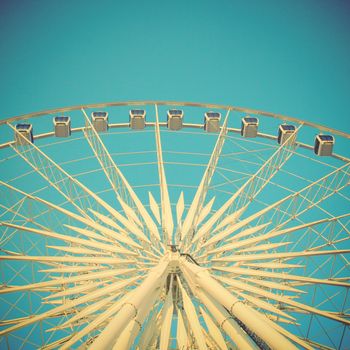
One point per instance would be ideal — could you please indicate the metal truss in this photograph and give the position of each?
(257, 259)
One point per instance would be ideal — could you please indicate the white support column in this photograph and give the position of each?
(221, 315)
(226, 323)
(241, 311)
(143, 294)
(127, 337)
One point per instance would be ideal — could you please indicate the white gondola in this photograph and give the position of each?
(324, 145)
(62, 126)
(174, 119)
(100, 121)
(212, 121)
(137, 119)
(285, 132)
(249, 127)
(26, 130)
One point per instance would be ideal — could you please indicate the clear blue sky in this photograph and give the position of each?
(289, 57)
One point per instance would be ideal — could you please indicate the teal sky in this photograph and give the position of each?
(289, 57)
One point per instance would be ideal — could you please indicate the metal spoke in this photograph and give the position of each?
(167, 217)
(191, 219)
(120, 185)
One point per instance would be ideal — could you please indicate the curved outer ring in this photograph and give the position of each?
(173, 103)
(176, 103)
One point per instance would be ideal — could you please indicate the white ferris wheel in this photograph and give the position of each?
(173, 225)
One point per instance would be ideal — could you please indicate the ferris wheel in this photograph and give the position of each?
(173, 225)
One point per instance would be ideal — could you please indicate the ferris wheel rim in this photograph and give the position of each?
(176, 103)
(185, 125)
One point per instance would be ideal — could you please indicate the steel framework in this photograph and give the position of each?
(172, 239)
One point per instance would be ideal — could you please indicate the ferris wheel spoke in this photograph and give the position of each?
(104, 234)
(263, 247)
(208, 227)
(34, 212)
(261, 304)
(71, 304)
(191, 219)
(125, 193)
(85, 311)
(130, 226)
(154, 207)
(286, 255)
(251, 241)
(96, 236)
(65, 184)
(107, 164)
(180, 206)
(272, 285)
(68, 186)
(67, 258)
(73, 269)
(318, 345)
(231, 229)
(26, 219)
(62, 281)
(205, 211)
(167, 217)
(334, 243)
(296, 204)
(314, 194)
(239, 201)
(280, 276)
(94, 324)
(280, 298)
(56, 344)
(75, 240)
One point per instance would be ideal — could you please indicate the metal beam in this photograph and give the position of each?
(241, 311)
(191, 219)
(125, 193)
(129, 310)
(281, 299)
(241, 199)
(284, 276)
(167, 217)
